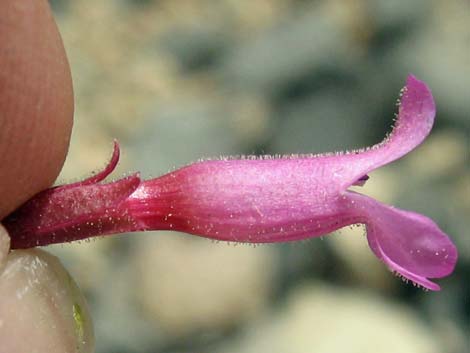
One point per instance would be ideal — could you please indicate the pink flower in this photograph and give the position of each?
(256, 200)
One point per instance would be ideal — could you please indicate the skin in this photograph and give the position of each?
(36, 114)
(36, 101)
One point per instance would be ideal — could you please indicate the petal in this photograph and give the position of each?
(414, 122)
(408, 243)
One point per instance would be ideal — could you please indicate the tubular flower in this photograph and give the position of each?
(256, 200)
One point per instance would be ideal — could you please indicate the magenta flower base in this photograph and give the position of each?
(256, 200)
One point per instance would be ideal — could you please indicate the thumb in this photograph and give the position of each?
(41, 307)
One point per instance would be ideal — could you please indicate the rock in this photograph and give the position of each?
(187, 285)
(324, 319)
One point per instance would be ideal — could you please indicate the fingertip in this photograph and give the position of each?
(36, 101)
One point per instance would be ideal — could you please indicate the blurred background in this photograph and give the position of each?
(179, 80)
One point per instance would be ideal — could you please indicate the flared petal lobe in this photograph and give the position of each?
(410, 244)
(413, 124)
